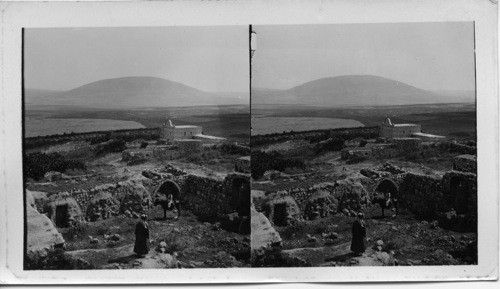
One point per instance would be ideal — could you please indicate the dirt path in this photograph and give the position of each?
(340, 255)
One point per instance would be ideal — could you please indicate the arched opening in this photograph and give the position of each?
(461, 192)
(386, 187)
(170, 187)
(62, 216)
(280, 214)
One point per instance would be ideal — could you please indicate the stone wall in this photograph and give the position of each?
(166, 152)
(460, 191)
(189, 146)
(206, 197)
(465, 163)
(353, 153)
(345, 133)
(347, 197)
(422, 195)
(407, 144)
(384, 151)
(462, 148)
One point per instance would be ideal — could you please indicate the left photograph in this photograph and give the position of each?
(136, 148)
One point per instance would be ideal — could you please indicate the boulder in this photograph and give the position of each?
(63, 210)
(351, 195)
(102, 205)
(264, 236)
(320, 204)
(41, 233)
(136, 198)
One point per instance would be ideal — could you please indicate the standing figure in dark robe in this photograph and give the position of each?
(141, 246)
(358, 244)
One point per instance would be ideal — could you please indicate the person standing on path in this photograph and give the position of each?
(141, 246)
(358, 244)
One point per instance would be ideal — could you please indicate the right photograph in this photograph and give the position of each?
(363, 145)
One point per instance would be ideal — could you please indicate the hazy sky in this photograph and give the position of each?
(432, 56)
(212, 59)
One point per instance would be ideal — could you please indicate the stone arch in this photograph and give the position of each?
(387, 185)
(169, 187)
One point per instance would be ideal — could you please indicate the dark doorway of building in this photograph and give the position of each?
(279, 218)
(240, 196)
(62, 216)
(459, 189)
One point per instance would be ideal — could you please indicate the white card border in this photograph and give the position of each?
(16, 15)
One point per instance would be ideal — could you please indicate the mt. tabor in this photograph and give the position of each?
(130, 92)
(356, 90)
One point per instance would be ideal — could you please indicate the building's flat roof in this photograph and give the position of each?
(187, 126)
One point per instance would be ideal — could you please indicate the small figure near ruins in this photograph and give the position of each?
(358, 244)
(141, 246)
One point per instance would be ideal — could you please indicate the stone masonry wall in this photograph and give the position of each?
(206, 197)
(422, 194)
(407, 144)
(460, 190)
(465, 163)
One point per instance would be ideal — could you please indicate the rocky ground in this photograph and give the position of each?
(186, 242)
(183, 243)
(403, 240)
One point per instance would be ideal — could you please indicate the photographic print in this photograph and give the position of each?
(136, 148)
(242, 142)
(364, 145)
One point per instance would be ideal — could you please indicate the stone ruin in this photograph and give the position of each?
(319, 205)
(63, 210)
(210, 197)
(102, 206)
(282, 210)
(452, 196)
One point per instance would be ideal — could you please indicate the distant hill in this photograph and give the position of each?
(38, 96)
(354, 90)
(130, 92)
